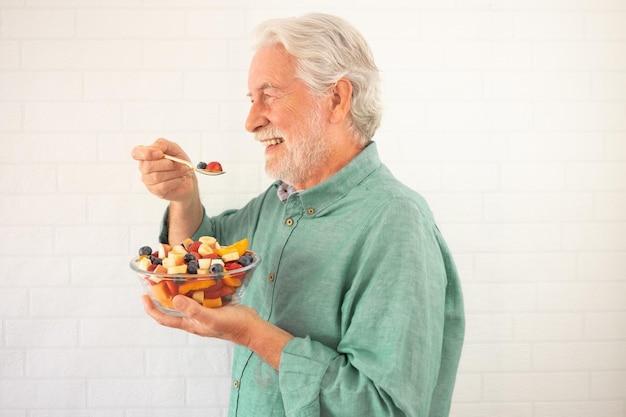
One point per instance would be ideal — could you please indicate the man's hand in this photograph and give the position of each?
(164, 178)
(238, 324)
(174, 182)
(226, 322)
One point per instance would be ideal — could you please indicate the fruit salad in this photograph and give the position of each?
(211, 274)
(212, 166)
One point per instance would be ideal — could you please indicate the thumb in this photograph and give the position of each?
(181, 303)
(190, 308)
(146, 153)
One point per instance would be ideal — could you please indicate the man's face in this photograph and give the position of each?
(285, 117)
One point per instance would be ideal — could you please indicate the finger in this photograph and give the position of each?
(163, 169)
(155, 151)
(146, 153)
(161, 318)
(199, 320)
(163, 183)
(188, 307)
(164, 145)
(165, 186)
(227, 322)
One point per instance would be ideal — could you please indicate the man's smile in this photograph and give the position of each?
(272, 141)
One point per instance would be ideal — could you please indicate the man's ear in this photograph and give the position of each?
(340, 100)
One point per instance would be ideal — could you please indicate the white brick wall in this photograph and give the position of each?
(509, 116)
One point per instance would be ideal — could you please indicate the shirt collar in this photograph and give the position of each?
(284, 190)
(339, 184)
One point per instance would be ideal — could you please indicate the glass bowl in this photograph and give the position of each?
(212, 290)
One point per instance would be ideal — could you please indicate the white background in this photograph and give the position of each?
(509, 116)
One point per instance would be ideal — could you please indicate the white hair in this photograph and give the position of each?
(328, 48)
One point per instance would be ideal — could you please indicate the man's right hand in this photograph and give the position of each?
(164, 178)
(174, 182)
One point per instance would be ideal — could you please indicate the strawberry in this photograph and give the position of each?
(194, 246)
(229, 266)
(214, 166)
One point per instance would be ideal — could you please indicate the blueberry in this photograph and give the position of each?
(245, 259)
(155, 260)
(145, 250)
(192, 267)
(215, 268)
(201, 165)
(189, 257)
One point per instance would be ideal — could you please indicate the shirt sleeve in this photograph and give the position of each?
(230, 225)
(210, 226)
(389, 358)
(205, 229)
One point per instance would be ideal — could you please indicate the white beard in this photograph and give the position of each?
(302, 154)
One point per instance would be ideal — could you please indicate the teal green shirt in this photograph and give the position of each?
(356, 269)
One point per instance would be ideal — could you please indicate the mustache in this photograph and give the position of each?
(268, 133)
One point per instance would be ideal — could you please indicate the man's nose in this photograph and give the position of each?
(256, 117)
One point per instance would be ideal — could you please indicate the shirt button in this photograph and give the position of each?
(236, 383)
(289, 222)
(271, 277)
(311, 210)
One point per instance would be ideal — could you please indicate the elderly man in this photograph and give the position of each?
(356, 308)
